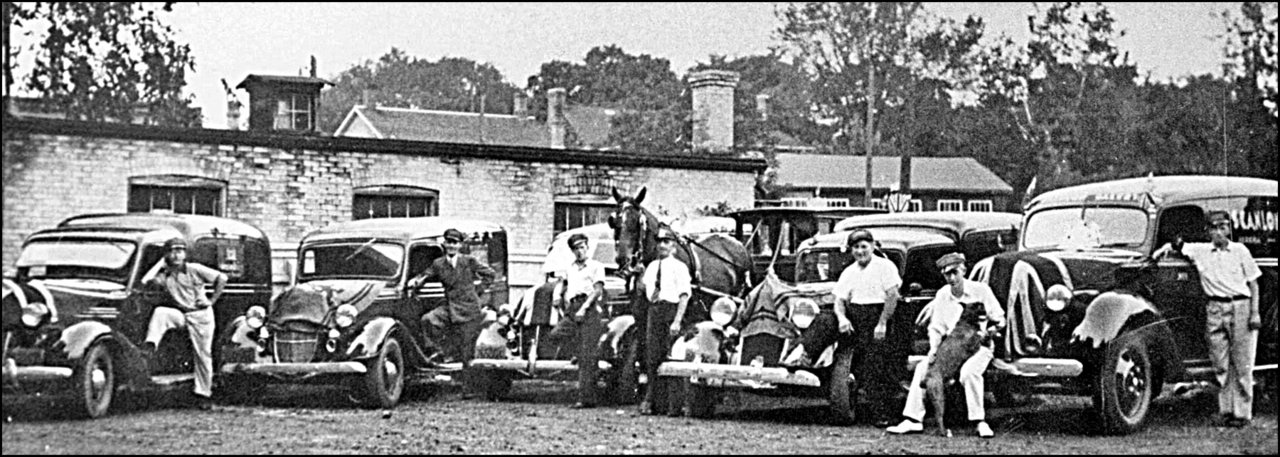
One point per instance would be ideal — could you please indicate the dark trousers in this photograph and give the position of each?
(447, 336)
(657, 346)
(586, 334)
(870, 362)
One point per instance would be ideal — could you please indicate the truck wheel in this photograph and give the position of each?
(384, 381)
(1123, 391)
(625, 377)
(96, 380)
(842, 387)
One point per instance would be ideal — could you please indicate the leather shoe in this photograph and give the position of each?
(907, 426)
(984, 430)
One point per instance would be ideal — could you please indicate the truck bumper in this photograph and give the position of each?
(295, 368)
(738, 375)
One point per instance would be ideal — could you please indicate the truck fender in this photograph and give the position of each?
(1112, 314)
(702, 345)
(366, 343)
(241, 335)
(76, 339)
(615, 332)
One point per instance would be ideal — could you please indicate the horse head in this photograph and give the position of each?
(635, 232)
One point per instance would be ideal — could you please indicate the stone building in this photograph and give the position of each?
(289, 180)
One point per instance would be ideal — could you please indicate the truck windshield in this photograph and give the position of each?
(1099, 227)
(77, 258)
(372, 260)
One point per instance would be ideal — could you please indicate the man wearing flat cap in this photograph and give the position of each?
(668, 286)
(461, 319)
(942, 314)
(581, 296)
(189, 308)
(1229, 277)
(865, 298)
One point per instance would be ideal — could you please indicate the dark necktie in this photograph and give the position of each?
(657, 284)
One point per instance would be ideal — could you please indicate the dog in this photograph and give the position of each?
(955, 348)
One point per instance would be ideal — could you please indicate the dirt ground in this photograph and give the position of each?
(536, 419)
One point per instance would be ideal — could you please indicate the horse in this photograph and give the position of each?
(718, 263)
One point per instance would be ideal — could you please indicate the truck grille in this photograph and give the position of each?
(295, 347)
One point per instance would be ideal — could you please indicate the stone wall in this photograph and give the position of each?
(288, 188)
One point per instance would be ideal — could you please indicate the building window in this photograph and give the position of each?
(980, 205)
(574, 214)
(879, 203)
(915, 206)
(176, 194)
(394, 201)
(293, 112)
(950, 205)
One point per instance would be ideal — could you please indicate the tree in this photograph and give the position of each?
(865, 58)
(653, 107)
(1251, 66)
(1070, 92)
(102, 61)
(400, 80)
(789, 103)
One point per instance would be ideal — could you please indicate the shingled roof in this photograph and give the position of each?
(589, 123)
(927, 173)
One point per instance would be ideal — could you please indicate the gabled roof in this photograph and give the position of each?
(927, 173)
(282, 79)
(589, 123)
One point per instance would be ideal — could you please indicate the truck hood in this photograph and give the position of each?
(311, 302)
(1019, 280)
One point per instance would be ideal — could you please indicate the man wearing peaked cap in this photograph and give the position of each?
(581, 297)
(1229, 277)
(458, 323)
(668, 286)
(943, 314)
(189, 308)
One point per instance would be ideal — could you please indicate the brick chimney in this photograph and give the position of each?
(556, 122)
(520, 105)
(762, 106)
(713, 110)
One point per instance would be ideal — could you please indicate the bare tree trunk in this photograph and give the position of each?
(869, 138)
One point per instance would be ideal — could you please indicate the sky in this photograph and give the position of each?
(233, 40)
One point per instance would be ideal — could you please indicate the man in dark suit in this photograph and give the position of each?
(460, 319)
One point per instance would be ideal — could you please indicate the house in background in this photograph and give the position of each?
(930, 184)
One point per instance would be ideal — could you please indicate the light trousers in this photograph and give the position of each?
(970, 378)
(199, 325)
(1232, 347)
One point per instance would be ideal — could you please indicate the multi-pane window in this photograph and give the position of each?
(394, 201)
(176, 194)
(293, 112)
(915, 205)
(571, 215)
(950, 205)
(980, 205)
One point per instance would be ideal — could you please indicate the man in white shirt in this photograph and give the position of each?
(944, 312)
(1229, 277)
(581, 297)
(866, 295)
(667, 286)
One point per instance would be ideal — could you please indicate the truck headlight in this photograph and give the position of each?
(255, 317)
(803, 311)
(722, 311)
(33, 313)
(345, 316)
(1057, 298)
